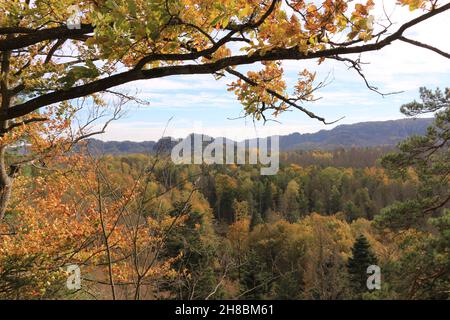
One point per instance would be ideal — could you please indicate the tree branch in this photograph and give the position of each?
(425, 46)
(43, 35)
(279, 96)
(24, 122)
(207, 68)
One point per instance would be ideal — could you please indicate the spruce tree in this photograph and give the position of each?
(362, 257)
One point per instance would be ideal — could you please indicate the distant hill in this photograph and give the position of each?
(363, 134)
(120, 147)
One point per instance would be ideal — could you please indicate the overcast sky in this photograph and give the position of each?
(201, 104)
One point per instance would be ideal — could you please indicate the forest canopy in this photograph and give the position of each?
(140, 227)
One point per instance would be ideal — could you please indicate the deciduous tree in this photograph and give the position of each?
(44, 63)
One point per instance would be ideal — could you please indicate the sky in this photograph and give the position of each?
(181, 105)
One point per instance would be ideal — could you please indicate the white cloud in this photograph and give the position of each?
(180, 83)
(399, 66)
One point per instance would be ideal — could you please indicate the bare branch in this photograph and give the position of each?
(356, 65)
(425, 46)
(281, 97)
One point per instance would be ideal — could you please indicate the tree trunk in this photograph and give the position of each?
(5, 177)
(5, 195)
(5, 184)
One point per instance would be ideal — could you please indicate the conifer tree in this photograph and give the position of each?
(362, 257)
(429, 157)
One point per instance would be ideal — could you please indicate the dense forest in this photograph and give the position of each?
(262, 234)
(141, 227)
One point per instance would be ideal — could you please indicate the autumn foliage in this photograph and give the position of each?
(140, 227)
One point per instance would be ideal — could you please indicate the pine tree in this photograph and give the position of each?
(428, 156)
(362, 257)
